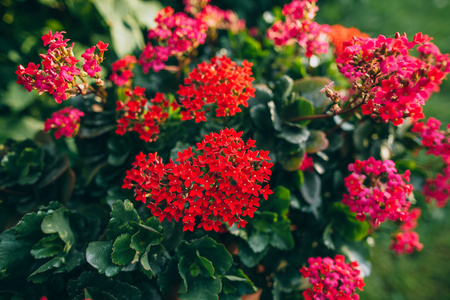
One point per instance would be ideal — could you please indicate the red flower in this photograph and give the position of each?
(209, 186)
(221, 82)
(66, 122)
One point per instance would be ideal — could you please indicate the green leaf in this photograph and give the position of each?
(283, 87)
(327, 239)
(291, 162)
(299, 107)
(316, 142)
(279, 201)
(294, 135)
(281, 237)
(262, 94)
(119, 149)
(263, 220)
(311, 188)
(123, 215)
(122, 254)
(276, 120)
(29, 228)
(58, 222)
(258, 241)
(143, 238)
(206, 265)
(310, 87)
(240, 281)
(47, 247)
(42, 274)
(14, 254)
(202, 288)
(98, 255)
(169, 278)
(357, 252)
(155, 259)
(106, 287)
(261, 117)
(248, 257)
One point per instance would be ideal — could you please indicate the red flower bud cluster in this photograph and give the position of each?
(174, 35)
(221, 181)
(59, 70)
(395, 85)
(221, 82)
(66, 121)
(142, 115)
(300, 28)
(332, 279)
(437, 143)
(123, 70)
(375, 190)
(406, 240)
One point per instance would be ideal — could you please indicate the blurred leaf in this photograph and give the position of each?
(16, 98)
(278, 202)
(98, 255)
(310, 87)
(357, 252)
(281, 237)
(23, 127)
(247, 256)
(29, 228)
(47, 247)
(261, 117)
(58, 222)
(283, 87)
(42, 274)
(123, 254)
(58, 168)
(202, 288)
(297, 108)
(311, 188)
(316, 142)
(155, 259)
(14, 254)
(258, 241)
(119, 149)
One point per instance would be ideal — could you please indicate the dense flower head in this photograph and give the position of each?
(300, 28)
(332, 279)
(437, 142)
(142, 115)
(217, 18)
(221, 82)
(123, 70)
(59, 71)
(340, 34)
(219, 182)
(394, 84)
(193, 7)
(405, 242)
(377, 191)
(65, 122)
(175, 35)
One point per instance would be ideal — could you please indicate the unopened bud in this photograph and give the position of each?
(99, 82)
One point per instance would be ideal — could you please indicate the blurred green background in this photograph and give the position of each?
(424, 275)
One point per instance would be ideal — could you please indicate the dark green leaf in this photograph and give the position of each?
(311, 188)
(261, 117)
(155, 259)
(206, 265)
(310, 87)
(29, 228)
(262, 95)
(283, 87)
(98, 255)
(262, 221)
(14, 254)
(59, 167)
(202, 288)
(122, 253)
(42, 273)
(298, 108)
(247, 256)
(258, 241)
(143, 238)
(123, 215)
(279, 201)
(47, 247)
(281, 237)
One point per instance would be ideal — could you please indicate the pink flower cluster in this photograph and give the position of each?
(332, 279)
(220, 181)
(307, 163)
(65, 121)
(141, 115)
(406, 240)
(221, 82)
(217, 18)
(59, 70)
(375, 190)
(123, 70)
(175, 35)
(394, 84)
(437, 142)
(300, 28)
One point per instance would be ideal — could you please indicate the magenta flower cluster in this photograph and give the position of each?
(65, 122)
(300, 28)
(175, 35)
(59, 70)
(394, 84)
(332, 279)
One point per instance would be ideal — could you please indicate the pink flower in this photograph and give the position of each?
(65, 121)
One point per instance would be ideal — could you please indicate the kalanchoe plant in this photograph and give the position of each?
(216, 165)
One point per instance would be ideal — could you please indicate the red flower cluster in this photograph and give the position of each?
(123, 70)
(377, 191)
(174, 35)
(394, 84)
(59, 70)
(406, 240)
(66, 121)
(142, 115)
(438, 143)
(219, 182)
(340, 34)
(222, 82)
(300, 28)
(307, 163)
(332, 279)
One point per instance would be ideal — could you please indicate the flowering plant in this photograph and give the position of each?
(197, 169)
